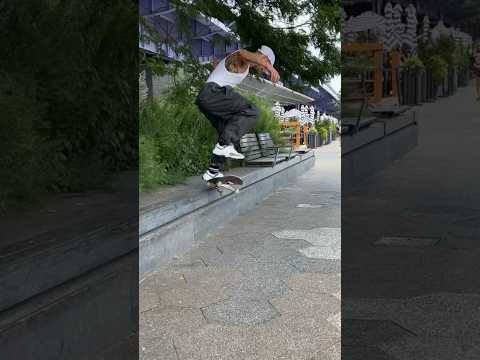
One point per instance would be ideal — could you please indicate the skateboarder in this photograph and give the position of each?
(230, 113)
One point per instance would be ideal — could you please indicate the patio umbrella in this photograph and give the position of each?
(293, 113)
(398, 27)
(389, 38)
(410, 38)
(426, 30)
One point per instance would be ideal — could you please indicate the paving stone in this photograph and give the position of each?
(295, 303)
(314, 285)
(432, 348)
(212, 275)
(195, 296)
(324, 252)
(169, 322)
(204, 287)
(149, 298)
(363, 332)
(278, 250)
(317, 236)
(332, 353)
(162, 280)
(325, 241)
(156, 348)
(307, 265)
(310, 206)
(182, 264)
(336, 320)
(216, 342)
(270, 278)
(240, 311)
(442, 315)
(296, 336)
(411, 241)
(353, 352)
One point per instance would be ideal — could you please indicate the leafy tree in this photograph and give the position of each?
(256, 23)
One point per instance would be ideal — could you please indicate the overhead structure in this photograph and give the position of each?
(273, 92)
(210, 37)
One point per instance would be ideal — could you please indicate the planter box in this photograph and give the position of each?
(452, 80)
(431, 88)
(312, 141)
(463, 77)
(319, 141)
(412, 86)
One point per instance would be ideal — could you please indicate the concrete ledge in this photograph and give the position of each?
(171, 221)
(364, 155)
(30, 267)
(85, 318)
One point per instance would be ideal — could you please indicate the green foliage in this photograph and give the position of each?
(441, 55)
(333, 128)
(323, 134)
(413, 63)
(175, 141)
(323, 124)
(267, 122)
(438, 66)
(313, 130)
(68, 105)
(446, 48)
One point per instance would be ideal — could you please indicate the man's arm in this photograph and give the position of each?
(259, 60)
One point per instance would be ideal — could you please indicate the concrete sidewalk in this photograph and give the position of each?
(266, 286)
(419, 299)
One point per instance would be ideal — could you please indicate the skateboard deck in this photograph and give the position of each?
(226, 182)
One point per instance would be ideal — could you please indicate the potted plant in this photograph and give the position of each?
(323, 135)
(412, 73)
(439, 70)
(333, 130)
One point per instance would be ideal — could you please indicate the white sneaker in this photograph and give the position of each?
(228, 151)
(209, 175)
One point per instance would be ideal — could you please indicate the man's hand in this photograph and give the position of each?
(274, 75)
(215, 62)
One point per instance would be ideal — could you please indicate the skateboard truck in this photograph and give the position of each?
(226, 183)
(220, 186)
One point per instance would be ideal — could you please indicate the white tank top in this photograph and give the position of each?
(221, 76)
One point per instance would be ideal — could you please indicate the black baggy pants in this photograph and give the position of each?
(230, 114)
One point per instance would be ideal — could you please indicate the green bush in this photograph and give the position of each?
(175, 141)
(413, 63)
(333, 127)
(438, 66)
(323, 134)
(267, 122)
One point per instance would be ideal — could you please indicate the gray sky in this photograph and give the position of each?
(335, 82)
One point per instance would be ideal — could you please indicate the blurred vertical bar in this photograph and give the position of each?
(68, 179)
(410, 175)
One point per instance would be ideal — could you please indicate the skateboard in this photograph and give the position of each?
(226, 182)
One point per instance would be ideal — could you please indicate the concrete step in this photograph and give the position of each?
(173, 220)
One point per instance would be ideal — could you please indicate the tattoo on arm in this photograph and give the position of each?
(234, 63)
(228, 63)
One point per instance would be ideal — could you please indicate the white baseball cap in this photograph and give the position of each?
(265, 50)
